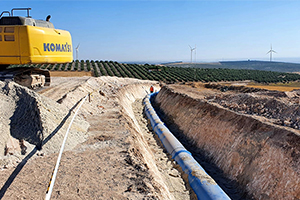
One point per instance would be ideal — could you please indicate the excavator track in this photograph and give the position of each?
(30, 77)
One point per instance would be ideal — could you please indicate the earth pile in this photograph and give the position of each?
(110, 152)
(263, 158)
(281, 108)
(29, 120)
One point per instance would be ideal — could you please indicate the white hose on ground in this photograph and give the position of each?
(52, 181)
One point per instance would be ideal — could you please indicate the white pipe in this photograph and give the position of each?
(52, 180)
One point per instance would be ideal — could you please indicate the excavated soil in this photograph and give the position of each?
(110, 152)
(246, 137)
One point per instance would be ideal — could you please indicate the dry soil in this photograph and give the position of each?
(110, 152)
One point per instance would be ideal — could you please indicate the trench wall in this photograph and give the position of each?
(263, 158)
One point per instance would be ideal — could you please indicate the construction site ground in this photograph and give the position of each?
(115, 155)
(111, 151)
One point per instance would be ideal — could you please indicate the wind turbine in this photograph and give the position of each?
(192, 49)
(271, 52)
(195, 54)
(77, 51)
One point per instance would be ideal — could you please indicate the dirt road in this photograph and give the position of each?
(118, 157)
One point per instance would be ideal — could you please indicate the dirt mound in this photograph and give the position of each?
(27, 116)
(118, 157)
(281, 108)
(225, 88)
(261, 157)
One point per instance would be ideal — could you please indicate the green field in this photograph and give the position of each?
(169, 74)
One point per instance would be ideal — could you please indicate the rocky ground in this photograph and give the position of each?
(277, 107)
(281, 108)
(232, 134)
(110, 152)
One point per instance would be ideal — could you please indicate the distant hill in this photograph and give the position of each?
(255, 65)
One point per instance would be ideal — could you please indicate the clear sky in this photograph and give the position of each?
(161, 31)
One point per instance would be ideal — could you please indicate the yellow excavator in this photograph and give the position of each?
(24, 40)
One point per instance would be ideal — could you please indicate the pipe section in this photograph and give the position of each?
(202, 184)
(53, 177)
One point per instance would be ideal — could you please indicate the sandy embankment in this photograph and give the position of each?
(110, 153)
(261, 157)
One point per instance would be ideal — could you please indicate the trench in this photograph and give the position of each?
(229, 186)
(169, 170)
(248, 158)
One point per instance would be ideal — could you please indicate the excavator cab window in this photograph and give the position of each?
(12, 21)
(25, 21)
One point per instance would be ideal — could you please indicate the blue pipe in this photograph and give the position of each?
(203, 185)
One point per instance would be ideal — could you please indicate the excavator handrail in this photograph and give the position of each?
(5, 12)
(28, 9)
